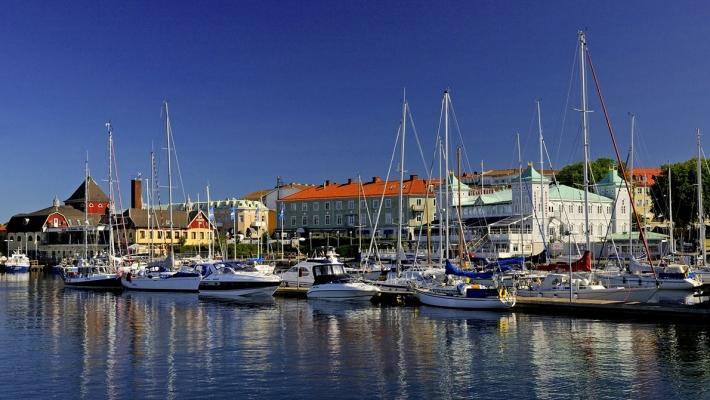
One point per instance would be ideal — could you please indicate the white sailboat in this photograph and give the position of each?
(162, 277)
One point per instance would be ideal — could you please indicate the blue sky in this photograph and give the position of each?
(312, 90)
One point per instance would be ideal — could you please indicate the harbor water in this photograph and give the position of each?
(63, 343)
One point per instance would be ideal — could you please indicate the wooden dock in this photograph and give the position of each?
(610, 309)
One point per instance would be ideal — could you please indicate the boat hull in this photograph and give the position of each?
(342, 292)
(460, 302)
(238, 289)
(17, 269)
(629, 295)
(95, 282)
(162, 283)
(635, 281)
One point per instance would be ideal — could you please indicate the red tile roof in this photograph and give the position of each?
(373, 188)
(645, 176)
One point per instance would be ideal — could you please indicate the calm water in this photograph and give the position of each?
(71, 344)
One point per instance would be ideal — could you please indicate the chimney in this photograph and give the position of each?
(376, 179)
(136, 193)
(350, 181)
(327, 183)
(413, 177)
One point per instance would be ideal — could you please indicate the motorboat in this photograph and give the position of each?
(17, 263)
(90, 276)
(331, 282)
(162, 278)
(301, 274)
(233, 279)
(557, 285)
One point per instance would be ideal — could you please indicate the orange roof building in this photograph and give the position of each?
(348, 206)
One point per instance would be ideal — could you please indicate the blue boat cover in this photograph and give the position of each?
(451, 269)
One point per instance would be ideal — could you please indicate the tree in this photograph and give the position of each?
(685, 198)
(572, 175)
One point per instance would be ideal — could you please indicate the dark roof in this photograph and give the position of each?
(138, 218)
(34, 221)
(95, 193)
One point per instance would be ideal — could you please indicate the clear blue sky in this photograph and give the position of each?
(312, 90)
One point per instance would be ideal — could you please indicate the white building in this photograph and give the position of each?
(498, 215)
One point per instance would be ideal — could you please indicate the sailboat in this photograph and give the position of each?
(161, 277)
(92, 274)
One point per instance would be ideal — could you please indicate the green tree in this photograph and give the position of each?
(572, 175)
(685, 198)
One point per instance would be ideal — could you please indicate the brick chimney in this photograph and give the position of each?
(413, 177)
(136, 193)
(376, 179)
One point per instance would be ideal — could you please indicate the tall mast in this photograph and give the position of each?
(447, 203)
(170, 176)
(86, 207)
(151, 213)
(359, 216)
(542, 177)
(670, 210)
(701, 216)
(210, 240)
(400, 249)
(111, 249)
(462, 241)
(585, 131)
(631, 186)
(520, 190)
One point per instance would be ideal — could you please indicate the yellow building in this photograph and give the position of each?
(143, 229)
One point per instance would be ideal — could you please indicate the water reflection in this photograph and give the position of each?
(145, 345)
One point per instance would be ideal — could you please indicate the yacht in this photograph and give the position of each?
(232, 279)
(17, 263)
(301, 274)
(556, 285)
(466, 296)
(331, 282)
(90, 276)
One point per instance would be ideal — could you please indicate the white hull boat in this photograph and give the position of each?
(452, 298)
(229, 280)
(557, 285)
(349, 291)
(163, 282)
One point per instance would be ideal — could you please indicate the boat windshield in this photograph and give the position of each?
(328, 269)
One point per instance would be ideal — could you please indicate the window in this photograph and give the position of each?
(580, 209)
(571, 208)
(599, 209)
(294, 207)
(160, 234)
(326, 205)
(388, 218)
(263, 218)
(375, 203)
(304, 220)
(202, 235)
(177, 235)
(363, 204)
(388, 203)
(327, 219)
(316, 220)
(419, 202)
(55, 222)
(167, 235)
(241, 218)
(351, 204)
(293, 220)
(315, 206)
(608, 209)
(623, 209)
(338, 205)
(591, 230)
(304, 206)
(194, 236)
(351, 220)
(30, 239)
(419, 218)
(338, 220)
(142, 234)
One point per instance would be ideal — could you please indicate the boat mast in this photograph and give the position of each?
(701, 217)
(585, 131)
(359, 217)
(86, 207)
(670, 210)
(151, 213)
(462, 241)
(170, 178)
(111, 249)
(447, 203)
(631, 186)
(400, 249)
(542, 177)
(520, 190)
(210, 240)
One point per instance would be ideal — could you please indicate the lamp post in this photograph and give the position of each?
(310, 242)
(8, 246)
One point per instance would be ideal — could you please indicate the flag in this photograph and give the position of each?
(232, 213)
(281, 213)
(210, 214)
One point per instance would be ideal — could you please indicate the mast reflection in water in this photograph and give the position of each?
(76, 344)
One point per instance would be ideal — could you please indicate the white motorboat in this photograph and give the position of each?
(301, 274)
(232, 279)
(17, 263)
(162, 279)
(330, 282)
(558, 286)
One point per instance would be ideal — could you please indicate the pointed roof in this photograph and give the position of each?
(95, 193)
(611, 178)
(457, 185)
(531, 173)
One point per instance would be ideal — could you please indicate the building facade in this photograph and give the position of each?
(352, 207)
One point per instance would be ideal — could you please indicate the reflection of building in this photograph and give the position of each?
(57, 232)
(334, 207)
